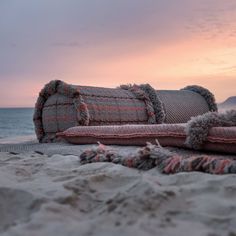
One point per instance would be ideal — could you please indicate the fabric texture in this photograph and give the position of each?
(68, 91)
(222, 139)
(154, 104)
(166, 161)
(141, 94)
(198, 128)
(180, 105)
(208, 96)
(61, 106)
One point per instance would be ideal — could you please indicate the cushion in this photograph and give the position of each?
(61, 106)
(221, 139)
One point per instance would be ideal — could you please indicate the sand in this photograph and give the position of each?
(46, 193)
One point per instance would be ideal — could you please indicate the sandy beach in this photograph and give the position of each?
(80, 78)
(50, 193)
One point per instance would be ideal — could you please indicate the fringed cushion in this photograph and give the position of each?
(221, 139)
(61, 106)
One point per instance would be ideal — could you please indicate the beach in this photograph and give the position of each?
(46, 191)
(118, 118)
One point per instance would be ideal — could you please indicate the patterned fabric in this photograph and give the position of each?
(61, 106)
(58, 114)
(206, 94)
(222, 134)
(181, 105)
(42, 114)
(113, 106)
(141, 94)
(221, 139)
(127, 131)
(166, 161)
(157, 103)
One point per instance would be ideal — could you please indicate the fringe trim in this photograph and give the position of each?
(58, 86)
(144, 159)
(206, 94)
(165, 161)
(198, 127)
(140, 94)
(157, 103)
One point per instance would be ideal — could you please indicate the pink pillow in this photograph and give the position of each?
(220, 138)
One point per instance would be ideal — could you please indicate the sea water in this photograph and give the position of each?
(16, 122)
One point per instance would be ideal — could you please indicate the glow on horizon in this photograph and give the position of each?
(199, 48)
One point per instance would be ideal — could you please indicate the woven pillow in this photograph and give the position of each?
(61, 106)
(219, 139)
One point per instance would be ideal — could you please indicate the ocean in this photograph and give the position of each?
(16, 122)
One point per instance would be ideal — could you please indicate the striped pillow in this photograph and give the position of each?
(221, 139)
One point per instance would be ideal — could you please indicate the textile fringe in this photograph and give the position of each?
(198, 127)
(167, 162)
(57, 86)
(157, 103)
(141, 94)
(206, 94)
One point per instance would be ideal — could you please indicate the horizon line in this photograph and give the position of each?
(23, 107)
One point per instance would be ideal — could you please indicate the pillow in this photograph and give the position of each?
(219, 139)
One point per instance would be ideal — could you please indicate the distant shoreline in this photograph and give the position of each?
(16, 107)
(18, 139)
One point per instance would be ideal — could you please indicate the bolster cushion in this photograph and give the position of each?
(222, 139)
(61, 106)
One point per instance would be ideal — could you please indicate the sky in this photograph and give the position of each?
(168, 44)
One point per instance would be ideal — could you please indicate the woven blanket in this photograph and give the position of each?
(167, 162)
(61, 106)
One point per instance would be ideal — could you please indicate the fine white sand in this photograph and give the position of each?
(54, 195)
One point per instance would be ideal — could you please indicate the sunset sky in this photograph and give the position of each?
(167, 43)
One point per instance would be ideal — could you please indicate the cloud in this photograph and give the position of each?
(37, 34)
(72, 44)
(78, 39)
(214, 20)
